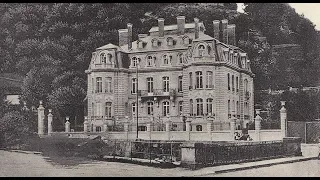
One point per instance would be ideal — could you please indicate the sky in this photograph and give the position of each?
(310, 11)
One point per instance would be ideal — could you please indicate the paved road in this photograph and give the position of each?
(309, 168)
(15, 164)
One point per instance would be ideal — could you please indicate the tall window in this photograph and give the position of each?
(92, 84)
(245, 85)
(237, 84)
(165, 108)
(201, 50)
(190, 80)
(199, 79)
(238, 109)
(232, 81)
(150, 84)
(134, 61)
(134, 86)
(108, 85)
(98, 109)
(149, 60)
(209, 79)
(191, 107)
(99, 85)
(180, 58)
(165, 59)
(103, 58)
(108, 109)
(150, 108)
(134, 107)
(165, 84)
(179, 83)
(228, 81)
(180, 107)
(209, 106)
(229, 113)
(233, 105)
(199, 107)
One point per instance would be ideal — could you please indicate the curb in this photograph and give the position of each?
(259, 166)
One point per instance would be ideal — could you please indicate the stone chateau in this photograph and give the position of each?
(175, 73)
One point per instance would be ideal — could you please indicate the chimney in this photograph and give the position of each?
(232, 34)
(224, 31)
(129, 26)
(196, 28)
(216, 29)
(161, 27)
(123, 36)
(181, 20)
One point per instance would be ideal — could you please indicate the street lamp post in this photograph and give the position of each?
(137, 98)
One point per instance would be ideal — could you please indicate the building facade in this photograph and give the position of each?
(176, 73)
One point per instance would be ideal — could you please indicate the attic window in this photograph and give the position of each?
(154, 42)
(201, 50)
(186, 40)
(170, 41)
(140, 44)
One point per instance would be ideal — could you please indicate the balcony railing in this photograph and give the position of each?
(156, 92)
(104, 65)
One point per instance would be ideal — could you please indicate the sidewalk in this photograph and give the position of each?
(309, 152)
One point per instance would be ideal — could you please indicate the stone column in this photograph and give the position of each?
(85, 124)
(67, 125)
(283, 119)
(50, 117)
(40, 119)
(257, 124)
(233, 120)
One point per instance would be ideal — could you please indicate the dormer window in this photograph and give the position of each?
(201, 50)
(140, 44)
(103, 58)
(154, 42)
(186, 40)
(170, 41)
(109, 58)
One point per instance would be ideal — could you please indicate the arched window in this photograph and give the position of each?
(103, 58)
(98, 129)
(166, 108)
(165, 84)
(232, 82)
(180, 58)
(150, 84)
(198, 128)
(238, 109)
(201, 50)
(199, 81)
(149, 60)
(237, 84)
(134, 62)
(233, 105)
(209, 106)
(186, 40)
(150, 108)
(191, 107)
(199, 107)
(165, 59)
